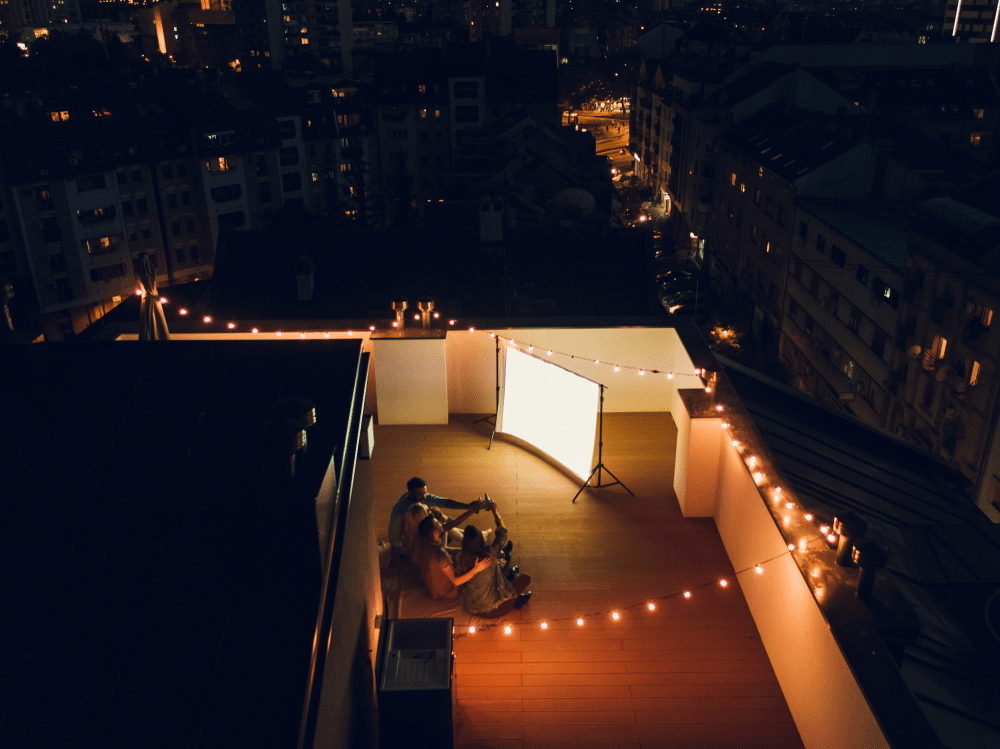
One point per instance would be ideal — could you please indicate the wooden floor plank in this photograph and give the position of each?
(691, 673)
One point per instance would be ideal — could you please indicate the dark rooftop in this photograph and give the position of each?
(927, 629)
(165, 591)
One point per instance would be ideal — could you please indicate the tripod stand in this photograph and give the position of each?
(496, 405)
(600, 463)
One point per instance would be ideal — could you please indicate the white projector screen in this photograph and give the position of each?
(551, 408)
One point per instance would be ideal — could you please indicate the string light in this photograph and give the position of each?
(808, 516)
(472, 330)
(596, 361)
(831, 538)
(278, 333)
(255, 331)
(451, 322)
(164, 300)
(719, 408)
(725, 425)
(182, 311)
(302, 335)
(371, 328)
(708, 389)
(670, 375)
(231, 326)
(437, 315)
(416, 316)
(615, 614)
(789, 505)
(550, 352)
(530, 349)
(395, 324)
(824, 529)
(642, 372)
(206, 319)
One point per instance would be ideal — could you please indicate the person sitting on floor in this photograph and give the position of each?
(416, 491)
(412, 545)
(492, 593)
(436, 566)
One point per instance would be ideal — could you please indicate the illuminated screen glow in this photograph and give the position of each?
(551, 408)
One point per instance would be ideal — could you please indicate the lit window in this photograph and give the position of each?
(974, 373)
(975, 139)
(939, 347)
(979, 113)
(743, 187)
(423, 113)
(987, 317)
(59, 116)
(422, 89)
(732, 179)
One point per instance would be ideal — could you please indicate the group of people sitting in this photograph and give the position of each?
(456, 563)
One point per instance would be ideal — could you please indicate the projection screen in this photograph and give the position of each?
(551, 408)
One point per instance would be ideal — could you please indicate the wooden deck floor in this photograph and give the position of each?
(692, 673)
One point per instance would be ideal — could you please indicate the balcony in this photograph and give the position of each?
(729, 666)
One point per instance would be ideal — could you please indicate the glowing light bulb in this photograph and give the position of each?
(530, 349)
(579, 622)
(723, 583)
(416, 316)
(642, 372)
(697, 372)
(472, 330)
(808, 516)
(687, 593)
(791, 547)
(789, 505)
(759, 569)
(255, 331)
(617, 368)
(752, 461)
(596, 361)
(777, 490)
(719, 408)
(615, 615)
(139, 292)
(544, 625)
(758, 478)
(824, 529)
(395, 324)
(182, 311)
(231, 326)
(651, 606)
(708, 389)
(549, 352)
(736, 443)
(302, 335)
(278, 333)
(831, 538)
(472, 629)
(508, 629)
(451, 322)
(371, 328)
(670, 375)
(206, 319)
(725, 425)
(164, 300)
(803, 544)
(438, 314)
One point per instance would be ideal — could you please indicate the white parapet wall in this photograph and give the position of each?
(472, 364)
(828, 706)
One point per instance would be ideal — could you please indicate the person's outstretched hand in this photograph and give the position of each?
(482, 564)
